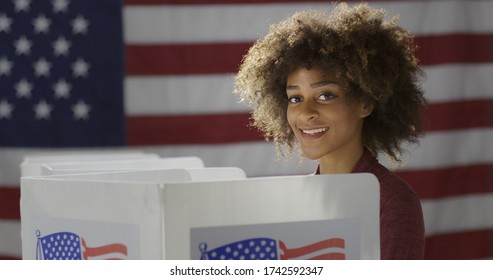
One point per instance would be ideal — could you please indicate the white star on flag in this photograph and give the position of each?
(42, 67)
(61, 46)
(62, 89)
(23, 89)
(5, 66)
(81, 110)
(80, 68)
(42, 110)
(22, 46)
(5, 109)
(60, 6)
(80, 25)
(5, 23)
(41, 24)
(22, 5)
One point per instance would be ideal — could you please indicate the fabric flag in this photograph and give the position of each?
(179, 59)
(69, 246)
(272, 249)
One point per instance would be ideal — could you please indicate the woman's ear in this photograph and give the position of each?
(366, 109)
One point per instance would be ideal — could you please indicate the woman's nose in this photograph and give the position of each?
(309, 110)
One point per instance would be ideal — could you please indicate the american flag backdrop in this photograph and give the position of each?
(157, 75)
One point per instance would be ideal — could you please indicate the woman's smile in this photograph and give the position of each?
(313, 133)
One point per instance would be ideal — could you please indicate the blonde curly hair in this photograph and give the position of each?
(374, 59)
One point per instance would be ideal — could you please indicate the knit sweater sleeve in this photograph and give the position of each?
(401, 221)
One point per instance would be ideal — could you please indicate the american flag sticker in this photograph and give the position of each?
(271, 249)
(76, 239)
(337, 239)
(70, 246)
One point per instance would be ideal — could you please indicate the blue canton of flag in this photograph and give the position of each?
(59, 246)
(61, 73)
(250, 249)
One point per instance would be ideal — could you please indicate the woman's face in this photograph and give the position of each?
(324, 122)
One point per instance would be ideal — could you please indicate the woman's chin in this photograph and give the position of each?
(311, 155)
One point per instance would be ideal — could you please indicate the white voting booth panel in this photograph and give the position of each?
(32, 164)
(165, 215)
(307, 217)
(119, 214)
(58, 168)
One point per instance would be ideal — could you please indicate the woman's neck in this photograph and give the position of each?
(341, 162)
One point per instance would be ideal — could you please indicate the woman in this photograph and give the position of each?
(344, 88)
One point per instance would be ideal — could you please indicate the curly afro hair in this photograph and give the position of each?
(374, 59)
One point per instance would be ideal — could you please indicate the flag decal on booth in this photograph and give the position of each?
(69, 246)
(272, 249)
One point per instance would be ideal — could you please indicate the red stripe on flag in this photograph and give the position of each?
(9, 203)
(195, 129)
(89, 252)
(228, 128)
(455, 48)
(459, 115)
(187, 59)
(452, 181)
(6, 257)
(460, 246)
(184, 59)
(330, 256)
(305, 250)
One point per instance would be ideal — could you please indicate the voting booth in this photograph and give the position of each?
(102, 215)
(204, 213)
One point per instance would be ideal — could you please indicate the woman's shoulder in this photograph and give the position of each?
(394, 190)
(391, 185)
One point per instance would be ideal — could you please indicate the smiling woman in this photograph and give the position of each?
(326, 124)
(343, 87)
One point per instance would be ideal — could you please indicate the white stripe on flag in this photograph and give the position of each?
(10, 238)
(188, 23)
(165, 95)
(440, 149)
(456, 214)
(456, 82)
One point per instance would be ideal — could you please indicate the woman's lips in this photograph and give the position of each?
(313, 133)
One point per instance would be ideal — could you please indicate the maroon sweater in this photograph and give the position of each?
(401, 217)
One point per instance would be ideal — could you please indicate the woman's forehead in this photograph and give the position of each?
(319, 72)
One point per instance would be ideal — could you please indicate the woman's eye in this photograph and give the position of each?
(294, 99)
(326, 96)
